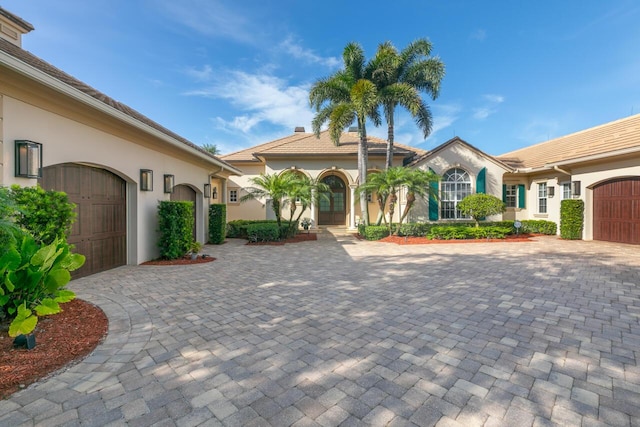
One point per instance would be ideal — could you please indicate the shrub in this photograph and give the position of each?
(46, 215)
(375, 232)
(571, 219)
(415, 229)
(217, 223)
(459, 232)
(539, 226)
(33, 277)
(238, 228)
(175, 224)
(480, 205)
(263, 232)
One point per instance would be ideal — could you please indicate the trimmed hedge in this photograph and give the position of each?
(263, 232)
(415, 229)
(217, 223)
(375, 232)
(451, 232)
(175, 223)
(571, 219)
(238, 228)
(539, 226)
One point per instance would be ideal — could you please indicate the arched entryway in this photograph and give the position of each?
(185, 193)
(616, 210)
(100, 230)
(332, 207)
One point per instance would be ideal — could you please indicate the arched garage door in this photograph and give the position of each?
(616, 211)
(100, 230)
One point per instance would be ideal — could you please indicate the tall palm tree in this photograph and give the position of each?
(399, 78)
(343, 98)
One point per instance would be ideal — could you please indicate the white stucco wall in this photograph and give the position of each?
(69, 141)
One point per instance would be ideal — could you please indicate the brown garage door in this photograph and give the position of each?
(100, 230)
(616, 211)
(185, 193)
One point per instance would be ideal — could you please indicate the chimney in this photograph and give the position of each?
(299, 129)
(12, 27)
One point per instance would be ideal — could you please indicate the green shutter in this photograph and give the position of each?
(481, 186)
(504, 193)
(433, 201)
(521, 196)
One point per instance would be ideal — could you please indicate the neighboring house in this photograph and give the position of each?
(318, 158)
(112, 161)
(600, 166)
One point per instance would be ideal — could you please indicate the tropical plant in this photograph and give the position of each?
(399, 78)
(33, 279)
(480, 205)
(8, 211)
(418, 182)
(386, 185)
(343, 98)
(211, 148)
(303, 192)
(276, 187)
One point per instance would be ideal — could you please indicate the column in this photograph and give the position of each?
(314, 223)
(352, 215)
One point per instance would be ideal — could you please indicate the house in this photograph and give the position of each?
(114, 163)
(600, 166)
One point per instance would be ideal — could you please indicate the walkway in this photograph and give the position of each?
(345, 332)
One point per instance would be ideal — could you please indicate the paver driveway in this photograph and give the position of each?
(360, 333)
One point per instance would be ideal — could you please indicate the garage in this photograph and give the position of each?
(616, 211)
(100, 230)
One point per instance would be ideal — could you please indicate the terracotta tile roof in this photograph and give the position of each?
(37, 63)
(308, 145)
(617, 135)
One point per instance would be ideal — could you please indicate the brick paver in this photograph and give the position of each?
(345, 332)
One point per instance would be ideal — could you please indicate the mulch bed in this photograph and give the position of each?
(61, 339)
(402, 240)
(180, 261)
(300, 237)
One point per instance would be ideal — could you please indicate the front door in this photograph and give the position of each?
(332, 209)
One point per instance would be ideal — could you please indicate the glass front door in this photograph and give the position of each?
(332, 207)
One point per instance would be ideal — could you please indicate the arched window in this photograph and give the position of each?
(455, 186)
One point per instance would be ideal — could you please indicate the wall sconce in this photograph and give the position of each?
(551, 191)
(168, 183)
(146, 180)
(207, 191)
(214, 194)
(575, 188)
(28, 159)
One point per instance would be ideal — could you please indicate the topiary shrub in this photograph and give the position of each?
(238, 228)
(375, 232)
(217, 223)
(261, 232)
(46, 215)
(571, 219)
(175, 224)
(539, 226)
(480, 205)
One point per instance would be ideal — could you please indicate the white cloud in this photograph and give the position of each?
(297, 51)
(261, 98)
(444, 116)
(200, 75)
(497, 99)
(478, 34)
(490, 107)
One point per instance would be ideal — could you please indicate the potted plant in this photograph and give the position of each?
(194, 248)
(306, 223)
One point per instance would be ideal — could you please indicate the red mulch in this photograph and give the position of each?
(61, 339)
(180, 261)
(401, 240)
(300, 237)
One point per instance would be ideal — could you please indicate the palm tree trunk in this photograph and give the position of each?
(390, 137)
(363, 162)
(392, 207)
(411, 198)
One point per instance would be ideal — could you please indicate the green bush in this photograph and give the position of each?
(415, 229)
(46, 215)
(480, 205)
(32, 278)
(238, 228)
(539, 226)
(217, 223)
(263, 232)
(286, 231)
(361, 229)
(571, 219)
(460, 232)
(375, 232)
(175, 224)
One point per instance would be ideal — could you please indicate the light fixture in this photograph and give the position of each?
(168, 183)
(207, 191)
(551, 191)
(28, 159)
(146, 180)
(575, 188)
(214, 193)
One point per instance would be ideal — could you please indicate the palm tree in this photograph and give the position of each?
(343, 98)
(304, 192)
(271, 186)
(211, 148)
(399, 78)
(418, 182)
(386, 185)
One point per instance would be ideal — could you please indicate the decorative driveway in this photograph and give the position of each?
(344, 332)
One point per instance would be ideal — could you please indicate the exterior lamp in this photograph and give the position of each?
(28, 159)
(551, 191)
(214, 193)
(207, 191)
(146, 180)
(168, 183)
(575, 188)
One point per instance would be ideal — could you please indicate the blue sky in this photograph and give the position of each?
(237, 73)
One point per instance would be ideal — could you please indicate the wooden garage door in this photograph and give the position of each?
(616, 211)
(100, 230)
(185, 193)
